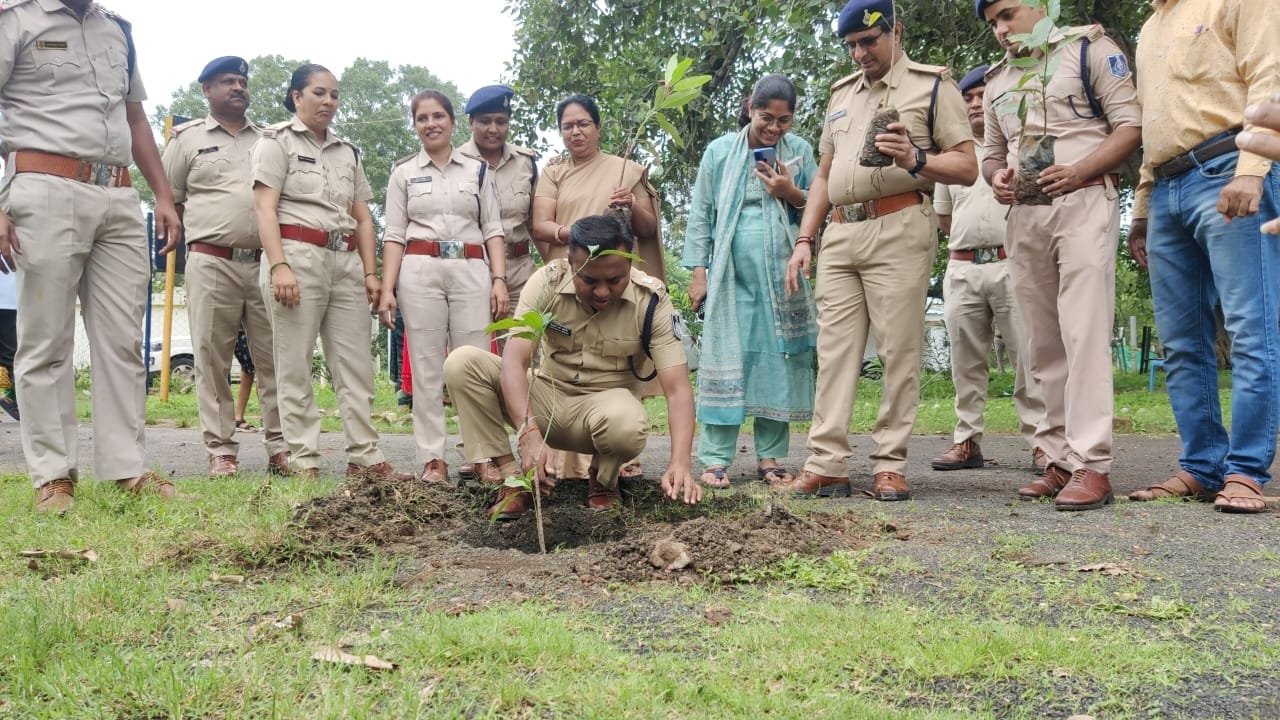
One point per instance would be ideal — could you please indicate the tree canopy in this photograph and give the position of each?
(373, 114)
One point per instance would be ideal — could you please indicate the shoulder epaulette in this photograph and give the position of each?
(1093, 32)
(274, 129)
(10, 4)
(648, 282)
(114, 16)
(846, 80)
(941, 71)
(996, 68)
(523, 151)
(403, 160)
(178, 129)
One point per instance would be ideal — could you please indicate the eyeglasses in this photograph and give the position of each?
(865, 43)
(583, 125)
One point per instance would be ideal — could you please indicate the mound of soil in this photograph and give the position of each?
(444, 533)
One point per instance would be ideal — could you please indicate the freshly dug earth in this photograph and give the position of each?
(443, 531)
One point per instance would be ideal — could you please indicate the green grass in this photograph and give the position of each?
(809, 638)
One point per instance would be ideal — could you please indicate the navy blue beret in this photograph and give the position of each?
(224, 64)
(980, 5)
(860, 15)
(490, 99)
(976, 77)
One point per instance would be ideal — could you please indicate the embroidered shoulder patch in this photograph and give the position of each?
(1119, 65)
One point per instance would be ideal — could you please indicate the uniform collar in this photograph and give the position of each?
(296, 125)
(891, 78)
(455, 157)
(470, 149)
(210, 122)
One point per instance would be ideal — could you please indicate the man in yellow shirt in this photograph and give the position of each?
(1197, 226)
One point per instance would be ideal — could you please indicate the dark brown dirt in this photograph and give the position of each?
(447, 540)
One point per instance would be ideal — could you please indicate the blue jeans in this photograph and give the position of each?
(1197, 260)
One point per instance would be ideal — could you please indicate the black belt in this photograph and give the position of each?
(1216, 146)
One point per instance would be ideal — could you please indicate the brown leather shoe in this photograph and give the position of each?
(55, 496)
(962, 456)
(811, 484)
(1087, 490)
(435, 471)
(487, 473)
(601, 498)
(381, 471)
(512, 504)
(307, 473)
(466, 472)
(148, 482)
(1181, 484)
(1039, 460)
(888, 486)
(278, 464)
(223, 466)
(1047, 485)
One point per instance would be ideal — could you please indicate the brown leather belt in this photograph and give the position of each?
(872, 209)
(449, 249)
(518, 249)
(1101, 180)
(1216, 146)
(980, 256)
(34, 161)
(329, 239)
(244, 255)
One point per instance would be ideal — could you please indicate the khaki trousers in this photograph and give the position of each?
(976, 296)
(445, 304)
(222, 297)
(333, 307)
(609, 424)
(79, 240)
(1064, 274)
(872, 276)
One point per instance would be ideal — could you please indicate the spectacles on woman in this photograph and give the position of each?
(583, 125)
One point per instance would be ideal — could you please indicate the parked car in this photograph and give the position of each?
(182, 359)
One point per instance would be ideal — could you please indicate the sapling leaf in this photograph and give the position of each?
(669, 72)
(1022, 110)
(681, 70)
(1054, 10)
(1041, 32)
(693, 82)
(620, 253)
(1051, 67)
(1024, 63)
(670, 129)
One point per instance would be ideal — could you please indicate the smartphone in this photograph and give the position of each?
(766, 155)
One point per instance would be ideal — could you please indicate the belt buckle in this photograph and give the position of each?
(335, 241)
(856, 212)
(101, 174)
(451, 249)
(244, 255)
(981, 256)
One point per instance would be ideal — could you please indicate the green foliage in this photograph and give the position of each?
(531, 326)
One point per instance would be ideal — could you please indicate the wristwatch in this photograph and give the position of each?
(921, 158)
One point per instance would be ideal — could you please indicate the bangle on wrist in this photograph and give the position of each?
(272, 270)
(804, 239)
(503, 278)
(371, 273)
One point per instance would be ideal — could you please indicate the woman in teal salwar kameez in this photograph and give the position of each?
(757, 343)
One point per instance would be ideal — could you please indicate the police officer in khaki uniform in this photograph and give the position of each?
(207, 162)
(1064, 254)
(877, 253)
(311, 197)
(71, 119)
(978, 293)
(515, 172)
(584, 396)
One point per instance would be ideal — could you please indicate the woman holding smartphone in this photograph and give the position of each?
(319, 273)
(443, 221)
(757, 343)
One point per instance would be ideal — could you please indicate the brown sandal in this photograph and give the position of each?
(1181, 485)
(1240, 494)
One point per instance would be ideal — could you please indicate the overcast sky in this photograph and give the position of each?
(468, 42)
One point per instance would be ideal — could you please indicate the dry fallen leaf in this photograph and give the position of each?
(717, 614)
(86, 555)
(429, 689)
(227, 579)
(176, 605)
(1106, 569)
(334, 655)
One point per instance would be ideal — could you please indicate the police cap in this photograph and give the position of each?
(490, 99)
(980, 6)
(224, 64)
(860, 15)
(976, 77)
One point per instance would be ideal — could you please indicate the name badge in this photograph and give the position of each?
(305, 159)
(51, 45)
(423, 179)
(206, 151)
(837, 115)
(560, 329)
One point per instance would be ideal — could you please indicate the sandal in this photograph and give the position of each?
(715, 477)
(1181, 485)
(243, 426)
(774, 475)
(1240, 494)
(631, 471)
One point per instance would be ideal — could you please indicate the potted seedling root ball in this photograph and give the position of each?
(884, 117)
(1039, 63)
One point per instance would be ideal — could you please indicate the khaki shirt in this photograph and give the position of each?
(64, 83)
(317, 183)
(208, 168)
(515, 176)
(426, 202)
(1077, 137)
(854, 101)
(590, 350)
(1202, 62)
(977, 220)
